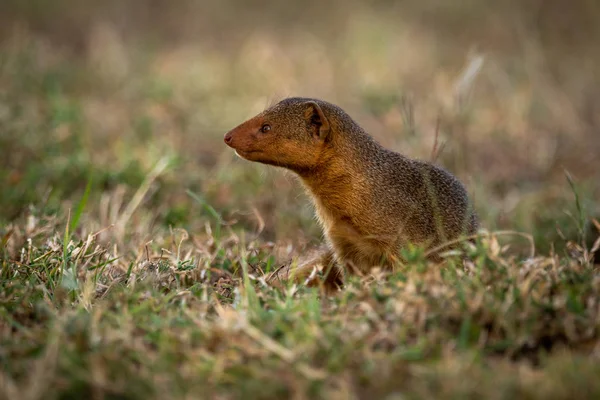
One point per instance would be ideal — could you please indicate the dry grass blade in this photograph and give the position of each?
(158, 169)
(449, 243)
(285, 354)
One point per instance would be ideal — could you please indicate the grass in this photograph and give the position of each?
(133, 245)
(80, 320)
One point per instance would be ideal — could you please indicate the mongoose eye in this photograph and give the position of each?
(265, 128)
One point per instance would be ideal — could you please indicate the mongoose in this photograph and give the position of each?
(370, 201)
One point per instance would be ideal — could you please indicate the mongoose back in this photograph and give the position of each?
(370, 201)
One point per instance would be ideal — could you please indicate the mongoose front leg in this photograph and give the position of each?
(325, 262)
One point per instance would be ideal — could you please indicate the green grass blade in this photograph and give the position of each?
(210, 209)
(81, 206)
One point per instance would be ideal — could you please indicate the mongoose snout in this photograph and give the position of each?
(246, 139)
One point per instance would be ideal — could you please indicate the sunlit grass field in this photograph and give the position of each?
(134, 243)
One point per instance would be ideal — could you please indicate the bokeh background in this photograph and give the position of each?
(119, 91)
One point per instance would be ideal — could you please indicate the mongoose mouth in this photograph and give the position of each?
(246, 154)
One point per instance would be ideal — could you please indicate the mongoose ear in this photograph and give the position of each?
(317, 118)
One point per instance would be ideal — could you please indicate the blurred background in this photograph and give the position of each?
(113, 89)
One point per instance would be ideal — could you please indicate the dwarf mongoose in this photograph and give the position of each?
(370, 201)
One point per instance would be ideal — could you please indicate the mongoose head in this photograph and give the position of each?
(293, 134)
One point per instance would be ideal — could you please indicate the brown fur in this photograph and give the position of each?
(370, 201)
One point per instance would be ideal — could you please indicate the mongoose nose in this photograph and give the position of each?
(227, 138)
